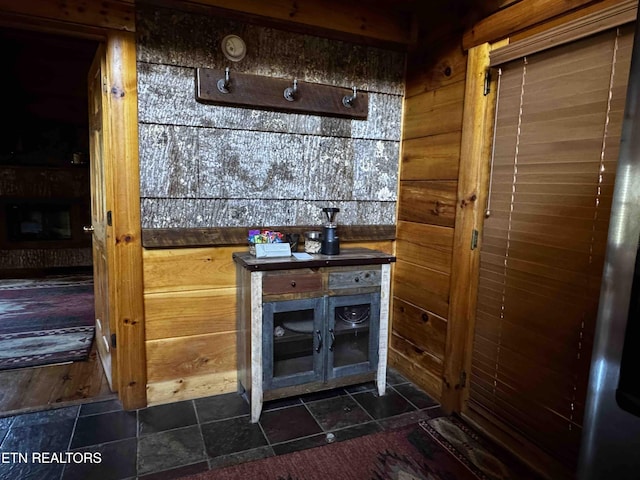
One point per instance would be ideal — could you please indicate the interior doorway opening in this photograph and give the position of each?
(45, 203)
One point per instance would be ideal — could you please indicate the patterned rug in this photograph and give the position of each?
(436, 449)
(45, 321)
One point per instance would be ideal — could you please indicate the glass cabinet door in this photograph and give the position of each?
(293, 342)
(353, 334)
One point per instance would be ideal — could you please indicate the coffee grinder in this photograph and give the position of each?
(330, 240)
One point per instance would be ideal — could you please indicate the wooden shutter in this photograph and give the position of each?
(558, 125)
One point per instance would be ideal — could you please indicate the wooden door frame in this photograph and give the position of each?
(473, 179)
(123, 177)
(123, 188)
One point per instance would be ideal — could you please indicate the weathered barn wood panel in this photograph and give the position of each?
(223, 236)
(39, 258)
(42, 181)
(42, 185)
(179, 93)
(254, 166)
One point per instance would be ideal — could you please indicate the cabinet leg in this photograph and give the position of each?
(381, 380)
(256, 409)
(256, 406)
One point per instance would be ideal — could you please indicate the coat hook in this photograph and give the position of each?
(348, 100)
(290, 93)
(223, 83)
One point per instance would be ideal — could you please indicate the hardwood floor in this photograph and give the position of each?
(41, 388)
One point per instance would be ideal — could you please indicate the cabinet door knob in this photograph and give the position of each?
(425, 317)
(293, 283)
(319, 347)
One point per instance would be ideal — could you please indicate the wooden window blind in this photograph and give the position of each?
(558, 124)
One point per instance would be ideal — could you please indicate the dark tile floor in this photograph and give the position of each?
(100, 441)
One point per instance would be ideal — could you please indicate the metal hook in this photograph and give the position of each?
(291, 92)
(223, 83)
(348, 100)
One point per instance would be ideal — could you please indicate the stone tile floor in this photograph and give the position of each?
(101, 441)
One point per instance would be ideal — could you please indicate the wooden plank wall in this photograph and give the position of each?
(428, 189)
(426, 213)
(190, 304)
(190, 309)
(207, 166)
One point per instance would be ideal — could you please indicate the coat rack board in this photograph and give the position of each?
(222, 87)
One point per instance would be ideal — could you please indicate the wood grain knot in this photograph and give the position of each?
(440, 208)
(117, 92)
(466, 201)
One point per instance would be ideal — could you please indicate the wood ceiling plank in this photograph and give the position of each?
(385, 25)
(116, 15)
(518, 17)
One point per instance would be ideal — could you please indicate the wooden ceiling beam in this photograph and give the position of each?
(370, 23)
(109, 14)
(518, 17)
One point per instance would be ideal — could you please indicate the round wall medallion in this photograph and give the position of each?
(234, 48)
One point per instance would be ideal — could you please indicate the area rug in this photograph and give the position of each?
(436, 449)
(45, 321)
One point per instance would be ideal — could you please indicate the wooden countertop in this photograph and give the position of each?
(347, 257)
